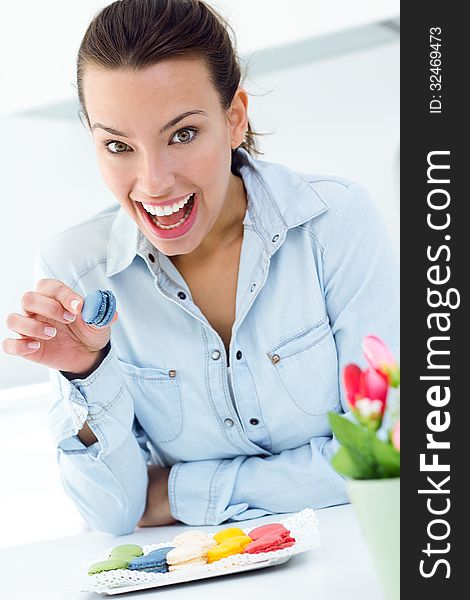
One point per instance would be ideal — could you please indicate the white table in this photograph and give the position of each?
(341, 569)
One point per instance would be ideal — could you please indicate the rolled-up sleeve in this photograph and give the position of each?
(211, 492)
(107, 480)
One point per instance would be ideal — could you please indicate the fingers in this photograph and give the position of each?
(52, 303)
(53, 300)
(56, 289)
(21, 347)
(31, 332)
(29, 327)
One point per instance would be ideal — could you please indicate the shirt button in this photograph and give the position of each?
(254, 422)
(275, 238)
(275, 358)
(238, 354)
(228, 422)
(151, 258)
(215, 356)
(253, 287)
(181, 295)
(172, 373)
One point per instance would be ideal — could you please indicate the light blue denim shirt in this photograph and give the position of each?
(316, 275)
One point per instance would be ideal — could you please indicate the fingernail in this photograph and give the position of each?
(68, 316)
(74, 304)
(34, 345)
(50, 331)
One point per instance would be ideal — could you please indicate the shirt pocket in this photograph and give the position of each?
(307, 368)
(157, 400)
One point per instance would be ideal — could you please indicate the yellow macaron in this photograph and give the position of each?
(234, 545)
(228, 533)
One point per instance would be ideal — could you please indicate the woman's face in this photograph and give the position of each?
(169, 170)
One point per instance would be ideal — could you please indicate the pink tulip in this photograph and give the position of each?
(367, 385)
(352, 382)
(396, 435)
(381, 359)
(376, 386)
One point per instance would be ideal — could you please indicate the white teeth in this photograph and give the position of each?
(149, 208)
(187, 212)
(167, 210)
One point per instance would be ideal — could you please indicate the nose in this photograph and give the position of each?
(155, 177)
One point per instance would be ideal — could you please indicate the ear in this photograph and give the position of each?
(237, 117)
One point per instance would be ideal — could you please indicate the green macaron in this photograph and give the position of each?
(109, 565)
(126, 550)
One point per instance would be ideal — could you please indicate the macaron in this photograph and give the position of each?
(242, 540)
(108, 565)
(227, 533)
(194, 562)
(126, 551)
(269, 528)
(194, 537)
(269, 543)
(234, 545)
(99, 308)
(186, 555)
(153, 562)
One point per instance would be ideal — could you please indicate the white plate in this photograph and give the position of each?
(193, 575)
(302, 525)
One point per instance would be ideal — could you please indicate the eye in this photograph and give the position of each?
(185, 135)
(119, 147)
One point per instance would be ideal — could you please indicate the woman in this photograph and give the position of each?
(242, 286)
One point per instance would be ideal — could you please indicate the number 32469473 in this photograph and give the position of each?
(435, 42)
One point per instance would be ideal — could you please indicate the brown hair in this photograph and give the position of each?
(135, 34)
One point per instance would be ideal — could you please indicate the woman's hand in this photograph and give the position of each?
(157, 510)
(53, 333)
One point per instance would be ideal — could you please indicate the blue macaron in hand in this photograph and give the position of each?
(153, 562)
(99, 308)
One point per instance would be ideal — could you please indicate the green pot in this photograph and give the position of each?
(377, 506)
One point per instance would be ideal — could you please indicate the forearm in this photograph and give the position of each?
(86, 435)
(247, 487)
(157, 508)
(88, 366)
(291, 481)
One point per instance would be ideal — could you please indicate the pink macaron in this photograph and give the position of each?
(269, 542)
(269, 529)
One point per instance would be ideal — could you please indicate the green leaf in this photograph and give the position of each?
(359, 443)
(362, 454)
(347, 464)
(387, 457)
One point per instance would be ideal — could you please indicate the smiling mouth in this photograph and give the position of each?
(174, 220)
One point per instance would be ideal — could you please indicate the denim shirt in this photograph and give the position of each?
(316, 275)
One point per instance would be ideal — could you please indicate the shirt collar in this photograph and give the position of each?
(278, 200)
(123, 244)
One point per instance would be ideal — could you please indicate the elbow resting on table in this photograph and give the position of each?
(112, 510)
(114, 518)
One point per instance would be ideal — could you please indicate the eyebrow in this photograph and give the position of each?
(169, 125)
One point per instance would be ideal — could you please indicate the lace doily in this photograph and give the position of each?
(303, 526)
